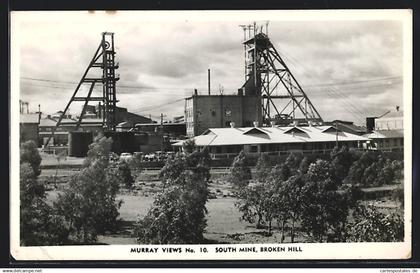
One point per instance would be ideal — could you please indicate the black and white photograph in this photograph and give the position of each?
(162, 135)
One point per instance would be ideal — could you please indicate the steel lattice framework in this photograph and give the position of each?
(103, 59)
(268, 76)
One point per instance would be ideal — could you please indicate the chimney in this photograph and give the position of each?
(398, 108)
(255, 123)
(240, 92)
(39, 113)
(232, 124)
(195, 92)
(208, 79)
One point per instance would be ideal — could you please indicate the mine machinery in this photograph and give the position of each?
(99, 72)
(267, 76)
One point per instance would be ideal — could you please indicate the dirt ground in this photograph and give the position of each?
(224, 224)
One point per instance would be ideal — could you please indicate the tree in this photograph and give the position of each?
(39, 222)
(370, 225)
(30, 187)
(89, 204)
(251, 203)
(263, 168)
(240, 173)
(304, 165)
(29, 154)
(99, 152)
(324, 209)
(178, 213)
(341, 161)
(61, 156)
(293, 161)
(124, 173)
(41, 225)
(254, 199)
(357, 173)
(291, 203)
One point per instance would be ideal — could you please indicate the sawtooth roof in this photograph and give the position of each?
(271, 135)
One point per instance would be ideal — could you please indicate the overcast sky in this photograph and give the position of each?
(349, 69)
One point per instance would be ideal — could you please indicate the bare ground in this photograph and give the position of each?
(224, 224)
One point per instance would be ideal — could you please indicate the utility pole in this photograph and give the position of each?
(161, 130)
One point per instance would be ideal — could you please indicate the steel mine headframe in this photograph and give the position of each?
(267, 75)
(103, 59)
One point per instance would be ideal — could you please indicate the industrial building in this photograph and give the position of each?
(393, 120)
(218, 111)
(270, 93)
(388, 132)
(28, 126)
(274, 141)
(387, 140)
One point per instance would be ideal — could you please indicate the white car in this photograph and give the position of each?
(126, 157)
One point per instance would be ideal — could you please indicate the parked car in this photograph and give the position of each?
(126, 157)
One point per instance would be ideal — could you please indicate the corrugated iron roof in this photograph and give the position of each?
(271, 135)
(385, 134)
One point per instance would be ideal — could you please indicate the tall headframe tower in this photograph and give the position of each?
(267, 76)
(100, 71)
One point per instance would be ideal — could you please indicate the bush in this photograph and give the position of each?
(373, 226)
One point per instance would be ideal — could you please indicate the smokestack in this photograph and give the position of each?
(208, 79)
(39, 113)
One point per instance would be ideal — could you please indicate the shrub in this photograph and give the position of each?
(373, 226)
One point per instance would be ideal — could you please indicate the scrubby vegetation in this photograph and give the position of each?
(319, 198)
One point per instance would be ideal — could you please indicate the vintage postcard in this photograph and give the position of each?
(211, 135)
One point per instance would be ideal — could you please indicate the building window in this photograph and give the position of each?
(254, 149)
